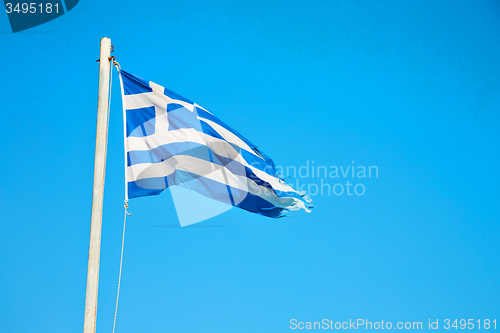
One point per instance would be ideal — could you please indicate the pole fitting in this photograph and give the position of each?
(126, 206)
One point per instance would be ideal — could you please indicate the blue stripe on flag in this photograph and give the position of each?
(135, 191)
(174, 95)
(133, 84)
(207, 115)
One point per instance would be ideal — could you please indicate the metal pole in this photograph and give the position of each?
(101, 141)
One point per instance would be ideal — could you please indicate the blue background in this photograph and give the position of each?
(411, 87)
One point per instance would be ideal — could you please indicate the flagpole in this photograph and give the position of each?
(89, 324)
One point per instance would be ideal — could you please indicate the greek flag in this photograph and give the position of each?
(169, 140)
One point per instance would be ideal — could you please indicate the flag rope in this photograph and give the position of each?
(121, 262)
(117, 65)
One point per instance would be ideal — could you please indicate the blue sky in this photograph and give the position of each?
(410, 87)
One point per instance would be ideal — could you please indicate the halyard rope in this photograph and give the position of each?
(124, 224)
(121, 261)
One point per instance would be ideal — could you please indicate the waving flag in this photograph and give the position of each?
(169, 140)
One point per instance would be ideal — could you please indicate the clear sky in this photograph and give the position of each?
(411, 87)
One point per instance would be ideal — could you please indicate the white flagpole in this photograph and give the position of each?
(89, 324)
